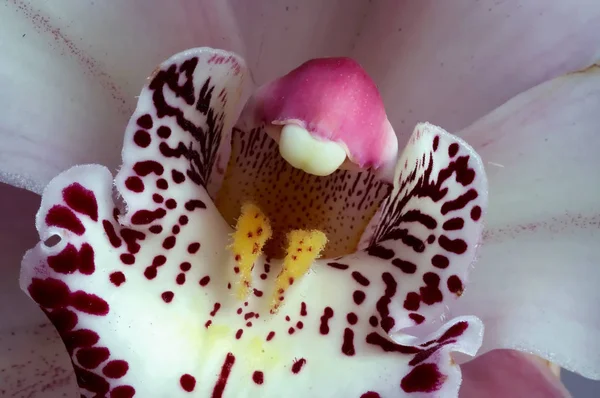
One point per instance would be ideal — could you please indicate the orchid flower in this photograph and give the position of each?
(293, 239)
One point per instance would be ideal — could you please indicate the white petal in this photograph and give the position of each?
(452, 62)
(536, 284)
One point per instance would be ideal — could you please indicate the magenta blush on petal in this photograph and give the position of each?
(335, 100)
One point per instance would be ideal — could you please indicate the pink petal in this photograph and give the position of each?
(536, 285)
(453, 62)
(507, 373)
(33, 361)
(73, 70)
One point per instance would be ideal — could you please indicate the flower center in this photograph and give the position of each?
(340, 204)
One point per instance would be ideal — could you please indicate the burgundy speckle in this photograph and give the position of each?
(185, 266)
(258, 377)
(216, 308)
(92, 357)
(81, 200)
(113, 238)
(167, 296)
(145, 121)
(455, 284)
(373, 394)
(193, 247)
(440, 261)
(156, 229)
(436, 142)
(238, 334)
(178, 176)
(358, 296)
(418, 318)
(298, 365)
(270, 336)
(430, 293)
(412, 301)
(180, 279)
(423, 378)
(191, 205)
(63, 217)
(161, 183)
(49, 292)
(303, 311)
(373, 321)
(406, 266)
(169, 242)
(360, 278)
(122, 392)
(348, 343)
(115, 369)
(454, 331)
(327, 315)
(452, 149)
(205, 280)
(291, 331)
(163, 132)
(476, 213)
(171, 204)
(142, 138)
(224, 376)
(183, 220)
(188, 382)
(159, 260)
(352, 318)
(150, 272)
(176, 229)
(457, 246)
(143, 217)
(117, 278)
(147, 167)
(134, 184)
(89, 303)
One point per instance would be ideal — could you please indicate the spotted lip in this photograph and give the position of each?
(142, 299)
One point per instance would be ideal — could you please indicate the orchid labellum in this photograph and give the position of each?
(286, 240)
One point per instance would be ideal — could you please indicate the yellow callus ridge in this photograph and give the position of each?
(304, 247)
(252, 231)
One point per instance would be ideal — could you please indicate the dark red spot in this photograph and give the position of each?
(372, 394)
(412, 301)
(180, 279)
(65, 262)
(188, 382)
(142, 138)
(457, 246)
(116, 369)
(454, 331)
(352, 318)
(224, 376)
(348, 343)
(171, 204)
(460, 202)
(131, 237)
(185, 266)
(257, 293)
(49, 292)
(122, 392)
(178, 176)
(81, 200)
(380, 252)
(258, 377)
(452, 149)
(113, 238)
(150, 272)
(117, 278)
(373, 321)
(191, 205)
(387, 322)
(216, 308)
(86, 259)
(476, 213)
(92, 357)
(127, 258)
(338, 266)
(80, 338)
(134, 184)
(455, 284)
(143, 217)
(419, 319)
(156, 229)
(297, 366)
(270, 336)
(327, 315)
(159, 260)
(167, 296)
(406, 266)
(148, 166)
(454, 224)
(193, 247)
(63, 319)
(423, 378)
(358, 296)
(145, 121)
(205, 280)
(430, 293)
(183, 220)
(291, 330)
(360, 278)
(163, 132)
(89, 303)
(436, 142)
(238, 334)
(161, 183)
(389, 346)
(176, 229)
(62, 217)
(91, 381)
(303, 309)
(440, 261)
(169, 242)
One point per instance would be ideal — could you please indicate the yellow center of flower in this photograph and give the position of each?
(252, 232)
